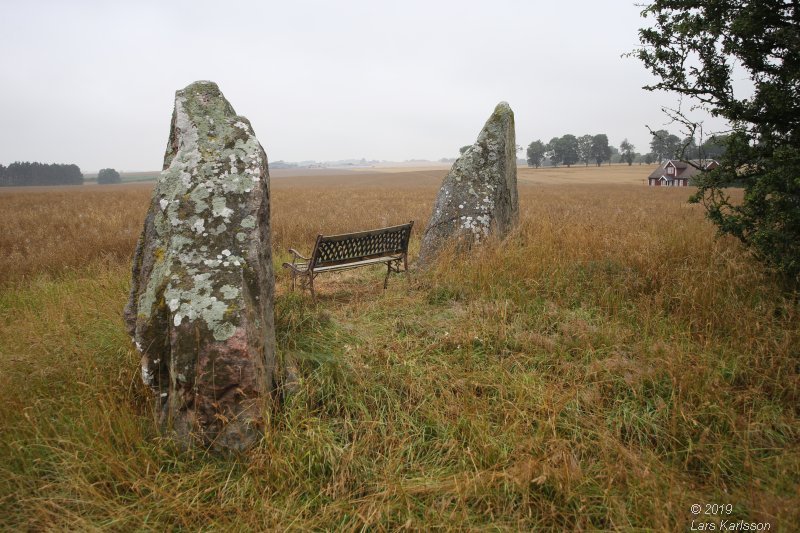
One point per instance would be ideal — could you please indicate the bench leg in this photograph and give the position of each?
(395, 268)
(311, 288)
(388, 271)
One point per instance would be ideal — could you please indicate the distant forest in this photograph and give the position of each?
(39, 174)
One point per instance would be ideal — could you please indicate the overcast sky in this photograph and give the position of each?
(93, 83)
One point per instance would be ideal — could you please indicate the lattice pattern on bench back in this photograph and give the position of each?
(338, 249)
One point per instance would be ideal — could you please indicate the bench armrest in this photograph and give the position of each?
(297, 254)
(296, 268)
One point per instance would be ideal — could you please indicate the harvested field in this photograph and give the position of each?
(606, 367)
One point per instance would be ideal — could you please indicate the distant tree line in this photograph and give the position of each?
(665, 145)
(569, 150)
(39, 174)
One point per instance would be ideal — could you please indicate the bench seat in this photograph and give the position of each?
(334, 253)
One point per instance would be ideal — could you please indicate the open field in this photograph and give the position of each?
(608, 366)
(617, 173)
(72, 214)
(126, 177)
(606, 174)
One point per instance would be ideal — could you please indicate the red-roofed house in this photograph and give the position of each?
(675, 173)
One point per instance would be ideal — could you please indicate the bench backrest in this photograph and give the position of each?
(351, 247)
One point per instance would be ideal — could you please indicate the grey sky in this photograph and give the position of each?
(92, 83)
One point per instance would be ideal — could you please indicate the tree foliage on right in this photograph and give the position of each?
(698, 49)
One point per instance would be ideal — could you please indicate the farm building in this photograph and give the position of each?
(676, 173)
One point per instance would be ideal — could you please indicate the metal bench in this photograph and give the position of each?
(353, 250)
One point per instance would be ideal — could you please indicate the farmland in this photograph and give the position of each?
(609, 365)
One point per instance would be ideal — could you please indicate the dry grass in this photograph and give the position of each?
(606, 367)
(58, 229)
(52, 230)
(588, 175)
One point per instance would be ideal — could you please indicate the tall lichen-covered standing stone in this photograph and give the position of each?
(201, 302)
(478, 197)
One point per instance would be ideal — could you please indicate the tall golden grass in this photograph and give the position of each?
(606, 366)
(53, 230)
(57, 229)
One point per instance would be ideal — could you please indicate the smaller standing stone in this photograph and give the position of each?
(478, 197)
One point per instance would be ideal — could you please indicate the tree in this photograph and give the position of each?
(535, 153)
(563, 150)
(689, 148)
(585, 149)
(108, 175)
(665, 145)
(552, 153)
(613, 154)
(692, 48)
(627, 151)
(464, 149)
(714, 147)
(600, 149)
(649, 158)
(568, 145)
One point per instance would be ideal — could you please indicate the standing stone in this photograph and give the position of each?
(201, 301)
(478, 197)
